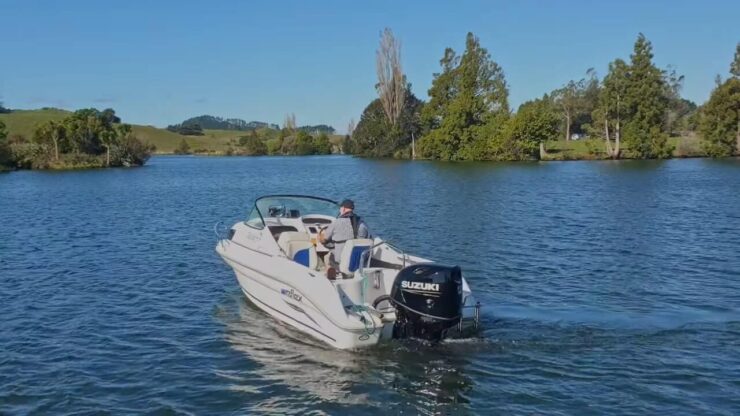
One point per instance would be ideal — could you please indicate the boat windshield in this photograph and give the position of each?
(290, 206)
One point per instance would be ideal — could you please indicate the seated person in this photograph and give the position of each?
(347, 226)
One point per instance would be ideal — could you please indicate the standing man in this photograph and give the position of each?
(347, 226)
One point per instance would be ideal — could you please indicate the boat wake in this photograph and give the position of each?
(623, 320)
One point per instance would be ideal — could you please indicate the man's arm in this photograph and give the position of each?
(327, 234)
(363, 231)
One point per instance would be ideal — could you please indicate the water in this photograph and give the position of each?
(609, 287)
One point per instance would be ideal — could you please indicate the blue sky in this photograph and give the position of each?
(159, 62)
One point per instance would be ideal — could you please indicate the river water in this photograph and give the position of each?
(609, 288)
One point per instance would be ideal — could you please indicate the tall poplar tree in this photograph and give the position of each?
(391, 80)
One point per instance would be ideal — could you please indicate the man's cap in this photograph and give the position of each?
(347, 203)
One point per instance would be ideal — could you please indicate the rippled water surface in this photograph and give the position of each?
(609, 287)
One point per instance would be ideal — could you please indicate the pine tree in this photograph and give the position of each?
(735, 65)
(720, 116)
(436, 144)
(646, 103)
(720, 120)
(468, 102)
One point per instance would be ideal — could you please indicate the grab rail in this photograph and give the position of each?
(367, 256)
(219, 228)
(369, 251)
(404, 256)
(476, 315)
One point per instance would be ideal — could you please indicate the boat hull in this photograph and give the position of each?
(292, 305)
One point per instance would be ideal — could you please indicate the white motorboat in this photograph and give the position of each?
(380, 292)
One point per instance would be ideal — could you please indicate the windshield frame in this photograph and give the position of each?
(256, 206)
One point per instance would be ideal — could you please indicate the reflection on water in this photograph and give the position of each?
(282, 356)
(427, 375)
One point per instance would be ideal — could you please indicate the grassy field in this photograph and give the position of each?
(167, 141)
(25, 122)
(684, 146)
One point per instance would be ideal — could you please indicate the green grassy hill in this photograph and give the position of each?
(212, 141)
(25, 122)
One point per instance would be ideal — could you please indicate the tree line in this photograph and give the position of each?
(219, 123)
(629, 113)
(191, 129)
(86, 138)
(288, 140)
(194, 126)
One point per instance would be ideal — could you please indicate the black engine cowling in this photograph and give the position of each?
(428, 300)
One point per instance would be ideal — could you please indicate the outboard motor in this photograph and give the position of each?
(428, 300)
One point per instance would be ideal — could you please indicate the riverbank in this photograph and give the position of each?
(558, 150)
(52, 139)
(22, 123)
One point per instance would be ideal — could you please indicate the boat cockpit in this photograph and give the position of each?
(295, 221)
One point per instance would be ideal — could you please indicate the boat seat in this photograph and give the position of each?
(298, 247)
(351, 256)
(276, 230)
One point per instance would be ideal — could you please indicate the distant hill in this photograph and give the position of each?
(218, 123)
